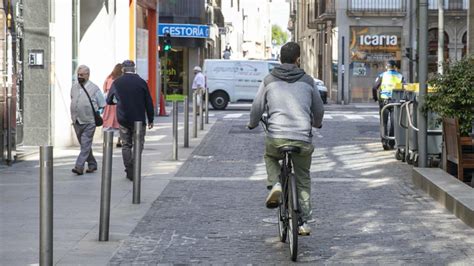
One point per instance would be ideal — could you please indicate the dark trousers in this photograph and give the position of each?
(388, 126)
(126, 135)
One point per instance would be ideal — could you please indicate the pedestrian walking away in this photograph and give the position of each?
(293, 105)
(82, 115)
(110, 113)
(199, 84)
(382, 91)
(131, 95)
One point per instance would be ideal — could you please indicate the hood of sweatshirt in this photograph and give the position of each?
(288, 72)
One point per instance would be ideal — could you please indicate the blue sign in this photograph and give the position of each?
(184, 30)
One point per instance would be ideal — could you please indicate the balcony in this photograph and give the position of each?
(394, 8)
(449, 5)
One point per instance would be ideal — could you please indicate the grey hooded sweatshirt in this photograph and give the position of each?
(292, 102)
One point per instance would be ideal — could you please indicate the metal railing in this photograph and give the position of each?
(377, 6)
(449, 4)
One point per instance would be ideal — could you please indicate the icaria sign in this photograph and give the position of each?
(378, 40)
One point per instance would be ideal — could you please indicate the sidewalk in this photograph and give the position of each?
(77, 199)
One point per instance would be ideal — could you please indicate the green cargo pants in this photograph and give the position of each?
(301, 166)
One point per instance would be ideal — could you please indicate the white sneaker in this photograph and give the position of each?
(304, 229)
(273, 198)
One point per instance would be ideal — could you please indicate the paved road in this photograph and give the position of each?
(365, 206)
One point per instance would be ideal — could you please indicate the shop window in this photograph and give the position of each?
(370, 48)
(175, 73)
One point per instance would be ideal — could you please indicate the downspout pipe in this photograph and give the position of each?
(423, 74)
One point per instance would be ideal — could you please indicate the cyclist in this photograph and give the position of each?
(382, 92)
(293, 105)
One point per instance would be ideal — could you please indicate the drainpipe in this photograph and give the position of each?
(423, 74)
(440, 36)
(75, 35)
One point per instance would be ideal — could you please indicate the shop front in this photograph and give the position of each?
(187, 51)
(369, 50)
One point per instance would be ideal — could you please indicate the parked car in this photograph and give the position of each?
(323, 90)
(234, 80)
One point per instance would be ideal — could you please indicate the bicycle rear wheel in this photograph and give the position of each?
(282, 219)
(293, 218)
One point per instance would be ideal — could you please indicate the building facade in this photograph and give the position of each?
(194, 29)
(248, 30)
(364, 34)
(45, 41)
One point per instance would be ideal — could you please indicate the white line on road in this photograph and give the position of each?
(354, 117)
(233, 116)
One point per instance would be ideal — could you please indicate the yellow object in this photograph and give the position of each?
(415, 87)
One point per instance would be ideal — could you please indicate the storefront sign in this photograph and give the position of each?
(376, 40)
(370, 48)
(184, 30)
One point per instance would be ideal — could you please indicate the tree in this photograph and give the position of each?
(278, 35)
(453, 94)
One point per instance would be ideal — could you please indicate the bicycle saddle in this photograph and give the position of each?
(291, 149)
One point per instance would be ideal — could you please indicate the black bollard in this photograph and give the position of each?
(137, 161)
(46, 205)
(106, 185)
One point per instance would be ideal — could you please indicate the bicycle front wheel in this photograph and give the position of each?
(293, 218)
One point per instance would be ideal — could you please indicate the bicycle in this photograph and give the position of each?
(289, 218)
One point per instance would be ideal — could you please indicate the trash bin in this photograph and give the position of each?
(398, 96)
(434, 132)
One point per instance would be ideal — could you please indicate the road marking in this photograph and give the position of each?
(328, 117)
(233, 116)
(354, 117)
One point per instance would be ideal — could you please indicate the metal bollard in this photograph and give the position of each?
(195, 132)
(175, 130)
(137, 160)
(201, 113)
(186, 121)
(207, 106)
(106, 185)
(46, 205)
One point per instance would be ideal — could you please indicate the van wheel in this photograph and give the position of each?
(219, 100)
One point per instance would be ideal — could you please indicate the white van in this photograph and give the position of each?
(234, 80)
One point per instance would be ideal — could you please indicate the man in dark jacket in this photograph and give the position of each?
(130, 93)
(293, 105)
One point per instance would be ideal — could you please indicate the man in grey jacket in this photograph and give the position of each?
(293, 105)
(82, 118)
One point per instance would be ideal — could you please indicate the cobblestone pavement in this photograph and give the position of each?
(366, 209)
